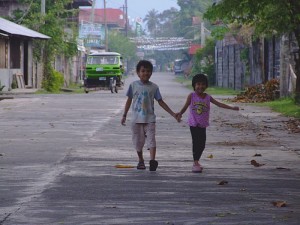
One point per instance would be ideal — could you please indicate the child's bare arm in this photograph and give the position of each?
(184, 108)
(166, 107)
(222, 105)
(126, 109)
(186, 104)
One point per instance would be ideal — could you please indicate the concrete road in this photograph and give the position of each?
(58, 155)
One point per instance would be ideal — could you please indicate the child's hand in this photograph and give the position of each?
(178, 117)
(235, 108)
(123, 120)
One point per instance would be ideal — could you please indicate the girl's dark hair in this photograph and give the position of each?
(200, 77)
(144, 63)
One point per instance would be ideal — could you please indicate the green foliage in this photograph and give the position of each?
(205, 61)
(259, 13)
(219, 32)
(167, 26)
(172, 22)
(14, 84)
(121, 44)
(152, 21)
(286, 106)
(1, 86)
(211, 89)
(55, 24)
(221, 91)
(245, 54)
(53, 80)
(267, 17)
(188, 10)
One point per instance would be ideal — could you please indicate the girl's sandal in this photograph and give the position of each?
(141, 166)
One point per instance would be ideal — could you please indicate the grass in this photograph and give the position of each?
(210, 90)
(69, 90)
(221, 91)
(285, 106)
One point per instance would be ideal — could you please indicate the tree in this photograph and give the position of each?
(188, 10)
(152, 20)
(268, 17)
(205, 60)
(121, 44)
(167, 26)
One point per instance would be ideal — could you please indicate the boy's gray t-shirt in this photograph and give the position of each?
(143, 96)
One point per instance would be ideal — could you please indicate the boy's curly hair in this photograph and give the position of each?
(200, 77)
(144, 63)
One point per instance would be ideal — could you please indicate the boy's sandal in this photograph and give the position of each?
(141, 166)
(153, 165)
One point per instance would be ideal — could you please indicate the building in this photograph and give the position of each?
(16, 56)
(32, 71)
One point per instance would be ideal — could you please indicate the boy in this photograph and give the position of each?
(141, 94)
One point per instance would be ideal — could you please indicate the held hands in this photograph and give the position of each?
(178, 117)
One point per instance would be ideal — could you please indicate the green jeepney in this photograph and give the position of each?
(103, 70)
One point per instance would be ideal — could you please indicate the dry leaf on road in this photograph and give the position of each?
(223, 182)
(279, 203)
(256, 164)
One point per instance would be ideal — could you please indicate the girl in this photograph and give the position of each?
(198, 119)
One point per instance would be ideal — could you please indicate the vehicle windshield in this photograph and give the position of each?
(103, 60)
(178, 62)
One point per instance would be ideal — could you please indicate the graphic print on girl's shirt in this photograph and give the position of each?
(199, 111)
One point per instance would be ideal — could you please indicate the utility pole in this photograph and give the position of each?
(126, 18)
(92, 16)
(105, 24)
(43, 7)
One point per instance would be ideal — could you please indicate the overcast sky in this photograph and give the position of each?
(139, 8)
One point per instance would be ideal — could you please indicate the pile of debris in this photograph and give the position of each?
(259, 93)
(293, 125)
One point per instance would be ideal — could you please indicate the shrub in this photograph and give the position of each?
(54, 81)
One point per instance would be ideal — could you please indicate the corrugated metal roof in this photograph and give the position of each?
(11, 28)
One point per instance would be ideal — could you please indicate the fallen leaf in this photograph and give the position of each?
(223, 182)
(257, 154)
(123, 166)
(210, 156)
(220, 215)
(256, 164)
(225, 214)
(279, 203)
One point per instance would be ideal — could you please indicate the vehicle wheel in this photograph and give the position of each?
(86, 91)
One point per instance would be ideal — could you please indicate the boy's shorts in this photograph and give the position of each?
(143, 133)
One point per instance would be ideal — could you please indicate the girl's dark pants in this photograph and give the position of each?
(199, 139)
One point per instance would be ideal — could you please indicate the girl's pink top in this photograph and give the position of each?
(199, 111)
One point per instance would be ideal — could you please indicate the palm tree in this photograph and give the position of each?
(152, 20)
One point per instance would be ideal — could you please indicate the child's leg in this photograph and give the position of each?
(152, 153)
(140, 155)
(151, 144)
(199, 140)
(150, 139)
(138, 139)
